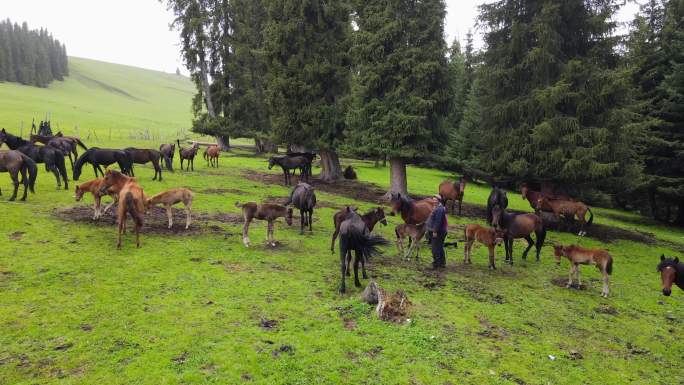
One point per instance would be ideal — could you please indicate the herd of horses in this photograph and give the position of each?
(355, 231)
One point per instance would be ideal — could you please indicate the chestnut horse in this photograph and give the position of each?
(131, 201)
(671, 271)
(487, 236)
(569, 209)
(534, 196)
(94, 187)
(452, 191)
(583, 256)
(517, 226)
(211, 155)
(412, 212)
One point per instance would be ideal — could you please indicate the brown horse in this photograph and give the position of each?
(144, 155)
(533, 197)
(583, 256)
(370, 218)
(671, 271)
(414, 233)
(94, 187)
(168, 150)
(516, 226)
(15, 163)
(211, 155)
(412, 212)
(169, 198)
(452, 191)
(487, 236)
(265, 211)
(188, 154)
(569, 209)
(131, 201)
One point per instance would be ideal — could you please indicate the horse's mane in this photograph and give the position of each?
(679, 266)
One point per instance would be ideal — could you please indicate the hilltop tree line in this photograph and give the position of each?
(31, 57)
(556, 98)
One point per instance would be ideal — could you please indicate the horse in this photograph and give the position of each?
(15, 163)
(265, 211)
(412, 212)
(303, 197)
(168, 150)
(349, 173)
(288, 163)
(310, 157)
(583, 256)
(496, 198)
(487, 236)
(104, 157)
(94, 187)
(68, 145)
(671, 271)
(370, 218)
(414, 233)
(569, 209)
(142, 156)
(171, 197)
(354, 235)
(211, 155)
(517, 226)
(51, 157)
(131, 201)
(188, 154)
(533, 197)
(452, 191)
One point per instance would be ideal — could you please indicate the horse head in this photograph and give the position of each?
(497, 214)
(271, 162)
(668, 273)
(380, 215)
(558, 252)
(396, 202)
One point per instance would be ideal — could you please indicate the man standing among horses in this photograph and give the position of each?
(437, 230)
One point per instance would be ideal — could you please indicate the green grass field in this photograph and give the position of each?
(187, 307)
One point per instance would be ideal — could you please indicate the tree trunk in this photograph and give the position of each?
(331, 170)
(258, 146)
(398, 182)
(223, 142)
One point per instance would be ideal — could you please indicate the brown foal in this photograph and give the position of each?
(265, 211)
(169, 198)
(131, 201)
(93, 187)
(487, 236)
(584, 256)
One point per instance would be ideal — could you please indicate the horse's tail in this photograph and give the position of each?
(609, 265)
(83, 146)
(132, 209)
(178, 141)
(591, 217)
(369, 245)
(32, 168)
(60, 163)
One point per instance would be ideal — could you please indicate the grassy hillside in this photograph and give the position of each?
(97, 97)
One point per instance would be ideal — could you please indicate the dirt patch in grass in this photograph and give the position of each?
(489, 330)
(220, 191)
(155, 221)
(606, 309)
(17, 235)
(563, 281)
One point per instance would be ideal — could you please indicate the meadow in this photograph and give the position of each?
(197, 307)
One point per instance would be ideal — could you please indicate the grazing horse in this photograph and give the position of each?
(94, 187)
(265, 211)
(142, 156)
(68, 145)
(303, 197)
(98, 157)
(188, 154)
(452, 191)
(15, 163)
(51, 157)
(517, 226)
(288, 163)
(168, 150)
(131, 201)
(412, 212)
(414, 233)
(569, 209)
(583, 256)
(671, 271)
(354, 235)
(496, 198)
(534, 196)
(487, 236)
(171, 197)
(211, 155)
(370, 218)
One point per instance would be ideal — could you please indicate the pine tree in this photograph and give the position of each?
(554, 100)
(400, 101)
(307, 49)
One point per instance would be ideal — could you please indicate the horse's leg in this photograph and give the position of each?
(271, 239)
(98, 200)
(245, 232)
(332, 243)
(192, 163)
(466, 247)
(15, 183)
(491, 257)
(349, 262)
(606, 283)
(99, 168)
(510, 250)
(302, 219)
(577, 273)
(357, 256)
(530, 243)
(188, 216)
(363, 268)
(343, 264)
(137, 235)
(541, 237)
(169, 214)
(55, 172)
(310, 219)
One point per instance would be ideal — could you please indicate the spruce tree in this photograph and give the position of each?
(400, 94)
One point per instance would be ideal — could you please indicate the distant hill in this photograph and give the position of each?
(99, 97)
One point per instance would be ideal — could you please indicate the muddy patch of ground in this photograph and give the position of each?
(155, 222)
(563, 281)
(489, 330)
(221, 191)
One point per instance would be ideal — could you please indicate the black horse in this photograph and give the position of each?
(303, 198)
(51, 157)
(16, 163)
(67, 145)
(496, 198)
(288, 163)
(310, 156)
(142, 156)
(104, 157)
(354, 235)
(168, 150)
